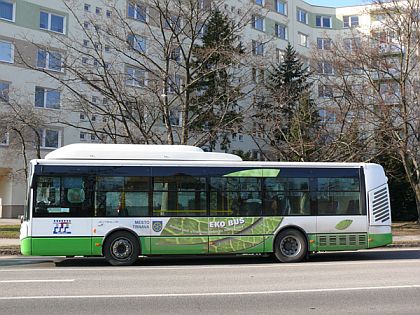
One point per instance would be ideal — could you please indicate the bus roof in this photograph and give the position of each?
(96, 151)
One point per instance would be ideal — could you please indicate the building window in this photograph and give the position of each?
(281, 7)
(136, 77)
(350, 44)
(137, 43)
(303, 39)
(98, 10)
(176, 54)
(175, 84)
(173, 23)
(175, 117)
(258, 75)
(137, 11)
(327, 116)
(350, 21)
(52, 22)
(259, 2)
(280, 55)
(302, 16)
(49, 60)
(325, 68)
(50, 139)
(4, 139)
(108, 13)
(7, 10)
(47, 98)
(6, 52)
(4, 91)
(257, 48)
(258, 22)
(325, 91)
(323, 21)
(87, 7)
(323, 43)
(281, 31)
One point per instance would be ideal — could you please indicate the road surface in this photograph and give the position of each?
(367, 282)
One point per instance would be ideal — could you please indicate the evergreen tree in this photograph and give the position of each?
(288, 82)
(214, 106)
(291, 114)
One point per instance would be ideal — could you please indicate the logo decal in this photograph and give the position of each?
(157, 226)
(61, 227)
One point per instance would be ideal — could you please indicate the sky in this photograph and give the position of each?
(336, 3)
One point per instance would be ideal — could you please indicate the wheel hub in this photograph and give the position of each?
(290, 246)
(121, 249)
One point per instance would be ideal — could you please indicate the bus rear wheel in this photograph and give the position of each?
(290, 246)
(121, 249)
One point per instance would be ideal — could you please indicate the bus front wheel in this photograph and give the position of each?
(121, 249)
(290, 246)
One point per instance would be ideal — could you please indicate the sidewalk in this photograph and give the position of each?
(9, 221)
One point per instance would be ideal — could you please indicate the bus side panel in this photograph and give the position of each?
(61, 246)
(62, 236)
(179, 245)
(379, 236)
(179, 235)
(341, 232)
(236, 244)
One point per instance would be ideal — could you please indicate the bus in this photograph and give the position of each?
(122, 201)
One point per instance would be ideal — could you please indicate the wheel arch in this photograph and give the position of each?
(121, 229)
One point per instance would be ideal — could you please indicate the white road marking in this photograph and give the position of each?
(37, 280)
(229, 266)
(56, 297)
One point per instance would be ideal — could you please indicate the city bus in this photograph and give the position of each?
(122, 201)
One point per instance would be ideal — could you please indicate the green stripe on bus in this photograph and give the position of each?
(26, 246)
(179, 245)
(376, 240)
(236, 244)
(63, 246)
(262, 172)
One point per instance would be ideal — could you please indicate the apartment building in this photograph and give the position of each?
(31, 38)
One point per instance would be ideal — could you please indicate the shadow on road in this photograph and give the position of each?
(385, 254)
(241, 260)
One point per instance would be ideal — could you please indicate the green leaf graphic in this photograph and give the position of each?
(342, 225)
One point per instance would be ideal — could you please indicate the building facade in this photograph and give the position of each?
(33, 39)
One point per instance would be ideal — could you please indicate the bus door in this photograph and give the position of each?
(236, 224)
(179, 223)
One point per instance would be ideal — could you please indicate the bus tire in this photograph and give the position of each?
(121, 248)
(290, 246)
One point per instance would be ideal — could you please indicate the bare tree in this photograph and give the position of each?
(19, 120)
(135, 72)
(376, 83)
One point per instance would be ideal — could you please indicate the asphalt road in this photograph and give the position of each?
(366, 282)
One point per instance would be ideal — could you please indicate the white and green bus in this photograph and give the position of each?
(123, 201)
